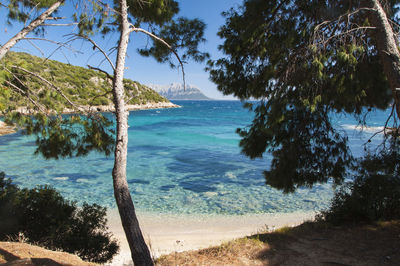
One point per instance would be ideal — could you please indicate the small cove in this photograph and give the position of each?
(180, 161)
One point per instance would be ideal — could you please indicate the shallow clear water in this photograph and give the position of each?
(183, 160)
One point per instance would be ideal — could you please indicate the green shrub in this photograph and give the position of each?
(8, 213)
(100, 101)
(75, 82)
(47, 219)
(373, 195)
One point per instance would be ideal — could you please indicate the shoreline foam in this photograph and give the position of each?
(167, 233)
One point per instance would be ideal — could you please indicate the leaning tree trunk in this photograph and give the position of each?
(139, 250)
(387, 49)
(33, 25)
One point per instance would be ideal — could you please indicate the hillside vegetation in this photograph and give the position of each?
(81, 85)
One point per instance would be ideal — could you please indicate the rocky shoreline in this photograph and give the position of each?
(129, 107)
(109, 108)
(6, 129)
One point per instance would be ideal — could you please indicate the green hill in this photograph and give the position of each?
(81, 85)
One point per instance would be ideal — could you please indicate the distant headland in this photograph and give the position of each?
(176, 91)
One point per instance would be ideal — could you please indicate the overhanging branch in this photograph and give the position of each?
(134, 29)
(79, 108)
(61, 44)
(102, 71)
(344, 24)
(25, 94)
(78, 36)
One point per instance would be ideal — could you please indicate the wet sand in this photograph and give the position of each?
(167, 233)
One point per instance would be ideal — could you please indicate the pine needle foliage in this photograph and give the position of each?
(302, 61)
(41, 92)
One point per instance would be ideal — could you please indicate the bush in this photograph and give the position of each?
(100, 101)
(47, 219)
(373, 195)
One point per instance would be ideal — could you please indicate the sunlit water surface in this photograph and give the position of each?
(183, 160)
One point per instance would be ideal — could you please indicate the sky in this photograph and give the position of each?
(143, 69)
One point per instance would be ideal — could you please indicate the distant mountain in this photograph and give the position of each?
(175, 91)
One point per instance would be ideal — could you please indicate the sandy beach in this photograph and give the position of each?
(167, 233)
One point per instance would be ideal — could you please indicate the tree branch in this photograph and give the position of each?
(54, 87)
(134, 29)
(34, 24)
(325, 41)
(324, 28)
(61, 24)
(62, 44)
(98, 96)
(30, 12)
(20, 81)
(101, 70)
(37, 47)
(105, 5)
(55, 18)
(24, 93)
(95, 46)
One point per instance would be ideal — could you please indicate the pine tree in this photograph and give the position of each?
(178, 36)
(305, 60)
(17, 13)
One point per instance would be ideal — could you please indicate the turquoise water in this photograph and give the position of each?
(183, 160)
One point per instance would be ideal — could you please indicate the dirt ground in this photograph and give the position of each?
(307, 244)
(12, 253)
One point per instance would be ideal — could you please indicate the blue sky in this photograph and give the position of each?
(144, 70)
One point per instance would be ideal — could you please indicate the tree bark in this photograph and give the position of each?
(139, 250)
(387, 49)
(33, 25)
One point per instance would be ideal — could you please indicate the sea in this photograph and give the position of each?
(180, 161)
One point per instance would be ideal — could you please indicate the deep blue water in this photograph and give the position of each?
(183, 160)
